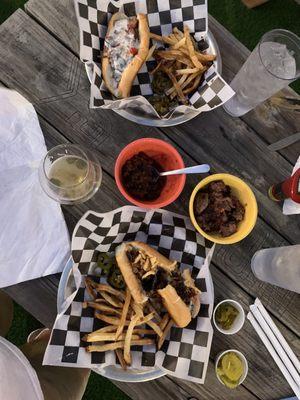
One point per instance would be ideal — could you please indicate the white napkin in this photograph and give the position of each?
(34, 240)
(289, 206)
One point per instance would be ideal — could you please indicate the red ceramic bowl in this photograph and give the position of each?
(166, 156)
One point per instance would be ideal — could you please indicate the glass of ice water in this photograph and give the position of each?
(272, 65)
(70, 174)
(279, 266)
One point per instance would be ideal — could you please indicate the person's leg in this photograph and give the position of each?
(6, 313)
(57, 383)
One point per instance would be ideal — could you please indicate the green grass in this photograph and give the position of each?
(23, 324)
(98, 388)
(248, 26)
(7, 7)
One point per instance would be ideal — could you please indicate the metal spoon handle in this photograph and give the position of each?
(197, 169)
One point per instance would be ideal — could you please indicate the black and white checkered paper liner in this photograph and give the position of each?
(163, 16)
(185, 353)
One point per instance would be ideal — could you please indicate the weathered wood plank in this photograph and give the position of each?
(269, 121)
(59, 18)
(42, 79)
(170, 389)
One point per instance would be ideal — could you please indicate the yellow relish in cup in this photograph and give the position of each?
(230, 369)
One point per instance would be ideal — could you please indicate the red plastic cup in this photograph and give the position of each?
(167, 157)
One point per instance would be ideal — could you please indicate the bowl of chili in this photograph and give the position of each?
(136, 173)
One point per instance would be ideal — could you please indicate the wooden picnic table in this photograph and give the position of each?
(39, 50)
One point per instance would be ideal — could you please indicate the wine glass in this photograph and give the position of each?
(70, 174)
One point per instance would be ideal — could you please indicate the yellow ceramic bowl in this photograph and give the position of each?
(243, 192)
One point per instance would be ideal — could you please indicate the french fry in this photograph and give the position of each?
(190, 79)
(146, 319)
(105, 347)
(111, 300)
(139, 331)
(183, 59)
(102, 307)
(186, 82)
(106, 288)
(164, 335)
(108, 328)
(175, 84)
(163, 39)
(180, 43)
(194, 42)
(178, 64)
(127, 355)
(172, 93)
(105, 337)
(150, 52)
(186, 71)
(191, 48)
(138, 309)
(91, 282)
(169, 54)
(156, 68)
(119, 354)
(155, 327)
(89, 288)
(124, 314)
(194, 86)
(151, 308)
(173, 37)
(178, 32)
(182, 80)
(164, 321)
(205, 58)
(118, 345)
(109, 320)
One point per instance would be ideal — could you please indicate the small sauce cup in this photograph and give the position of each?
(237, 323)
(241, 357)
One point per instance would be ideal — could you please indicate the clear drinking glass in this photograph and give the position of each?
(279, 266)
(70, 174)
(272, 65)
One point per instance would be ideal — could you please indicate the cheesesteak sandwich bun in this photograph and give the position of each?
(150, 275)
(125, 50)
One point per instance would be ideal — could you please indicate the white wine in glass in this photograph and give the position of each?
(70, 174)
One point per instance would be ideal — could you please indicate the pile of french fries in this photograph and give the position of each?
(181, 61)
(127, 323)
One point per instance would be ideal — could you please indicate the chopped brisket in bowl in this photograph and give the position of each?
(217, 210)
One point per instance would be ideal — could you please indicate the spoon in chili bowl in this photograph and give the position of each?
(197, 169)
